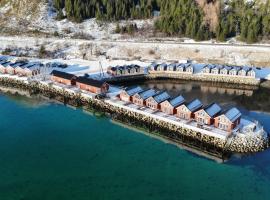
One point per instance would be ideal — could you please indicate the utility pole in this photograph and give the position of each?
(101, 72)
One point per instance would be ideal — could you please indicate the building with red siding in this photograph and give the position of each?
(140, 98)
(169, 106)
(3, 66)
(63, 77)
(206, 115)
(186, 111)
(154, 102)
(126, 95)
(228, 120)
(92, 85)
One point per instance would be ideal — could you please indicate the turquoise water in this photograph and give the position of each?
(54, 152)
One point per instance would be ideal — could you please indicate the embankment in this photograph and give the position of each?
(257, 55)
(172, 131)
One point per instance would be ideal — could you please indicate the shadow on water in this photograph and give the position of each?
(23, 98)
(191, 150)
(259, 163)
(250, 98)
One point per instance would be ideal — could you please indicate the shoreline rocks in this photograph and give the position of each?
(212, 145)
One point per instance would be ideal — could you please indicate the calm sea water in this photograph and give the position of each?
(49, 151)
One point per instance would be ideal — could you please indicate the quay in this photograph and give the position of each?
(170, 127)
(174, 118)
(189, 71)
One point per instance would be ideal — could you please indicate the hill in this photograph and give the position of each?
(248, 21)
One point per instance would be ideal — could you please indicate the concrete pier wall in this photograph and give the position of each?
(173, 131)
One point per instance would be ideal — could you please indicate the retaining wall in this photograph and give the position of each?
(171, 131)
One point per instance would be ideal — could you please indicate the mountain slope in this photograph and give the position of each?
(203, 20)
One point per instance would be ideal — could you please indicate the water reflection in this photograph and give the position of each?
(251, 98)
(23, 98)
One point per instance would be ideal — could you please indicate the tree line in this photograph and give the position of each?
(111, 10)
(248, 20)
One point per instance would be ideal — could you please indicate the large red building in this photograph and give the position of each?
(63, 77)
(92, 85)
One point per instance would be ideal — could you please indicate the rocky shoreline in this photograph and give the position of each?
(176, 133)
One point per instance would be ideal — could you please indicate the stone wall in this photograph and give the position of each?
(170, 131)
(208, 78)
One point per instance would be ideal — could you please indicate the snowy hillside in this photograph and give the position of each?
(39, 18)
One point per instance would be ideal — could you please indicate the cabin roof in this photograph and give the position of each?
(176, 101)
(6, 63)
(153, 64)
(89, 81)
(17, 64)
(172, 65)
(163, 65)
(147, 93)
(209, 66)
(233, 114)
(3, 61)
(180, 65)
(135, 66)
(134, 90)
(227, 67)
(251, 69)
(162, 96)
(62, 74)
(194, 105)
(27, 65)
(187, 65)
(218, 67)
(212, 109)
(4, 58)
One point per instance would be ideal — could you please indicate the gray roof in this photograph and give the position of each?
(5, 64)
(148, 93)
(188, 65)
(227, 67)
(180, 65)
(251, 69)
(172, 65)
(26, 65)
(218, 67)
(236, 68)
(17, 64)
(213, 109)
(164, 66)
(134, 90)
(177, 101)
(209, 66)
(162, 96)
(153, 65)
(233, 114)
(194, 105)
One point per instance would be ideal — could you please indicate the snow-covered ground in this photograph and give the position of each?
(93, 68)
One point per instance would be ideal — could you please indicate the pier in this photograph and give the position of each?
(168, 127)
